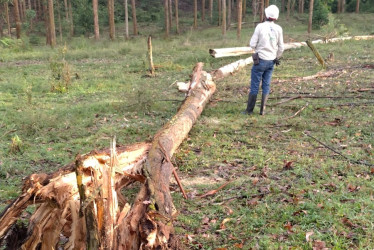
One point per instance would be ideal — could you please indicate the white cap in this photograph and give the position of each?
(272, 12)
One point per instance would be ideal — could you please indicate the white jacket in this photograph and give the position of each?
(267, 40)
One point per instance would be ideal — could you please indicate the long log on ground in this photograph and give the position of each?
(238, 51)
(150, 221)
(146, 225)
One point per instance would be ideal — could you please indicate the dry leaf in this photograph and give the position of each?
(222, 226)
(213, 192)
(307, 235)
(288, 226)
(287, 165)
(238, 245)
(319, 245)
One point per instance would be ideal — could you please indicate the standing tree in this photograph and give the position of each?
(262, 10)
(195, 14)
(202, 10)
(6, 7)
(134, 22)
(223, 17)
(211, 10)
(244, 7)
(71, 18)
(357, 6)
(112, 28)
(219, 12)
(288, 9)
(240, 11)
(229, 8)
(311, 3)
(283, 6)
(170, 6)
(266, 3)
(51, 19)
(177, 16)
(126, 20)
(17, 19)
(96, 19)
(166, 10)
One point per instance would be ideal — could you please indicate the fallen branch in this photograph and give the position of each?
(298, 112)
(337, 152)
(288, 100)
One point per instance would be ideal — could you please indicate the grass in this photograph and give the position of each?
(268, 204)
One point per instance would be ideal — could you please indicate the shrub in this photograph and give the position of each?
(320, 15)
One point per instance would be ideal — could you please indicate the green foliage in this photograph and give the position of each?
(320, 14)
(334, 28)
(16, 145)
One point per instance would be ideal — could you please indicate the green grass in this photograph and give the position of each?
(269, 206)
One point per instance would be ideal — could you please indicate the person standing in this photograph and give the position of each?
(267, 41)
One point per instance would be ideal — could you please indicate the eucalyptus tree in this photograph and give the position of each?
(96, 18)
(134, 22)
(112, 29)
(17, 19)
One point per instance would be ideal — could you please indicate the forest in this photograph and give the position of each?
(121, 126)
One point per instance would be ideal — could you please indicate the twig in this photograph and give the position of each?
(8, 132)
(298, 112)
(288, 100)
(337, 152)
(174, 171)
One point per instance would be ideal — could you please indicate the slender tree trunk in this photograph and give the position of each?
(29, 4)
(211, 10)
(40, 10)
(112, 28)
(283, 6)
(229, 8)
(66, 11)
(126, 19)
(288, 9)
(166, 10)
(177, 16)
(219, 12)
(240, 12)
(6, 7)
(293, 2)
(224, 17)
(51, 17)
(170, 5)
(17, 19)
(311, 3)
(339, 8)
(343, 6)
(96, 18)
(244, 7)
(134, 22)
(357, 6)
(203, 10)
(71, 18)
(150, 57)
(262, 14)
(21, 10)
(266, 3)
(59, 20)
(46, 23)
(195, 14)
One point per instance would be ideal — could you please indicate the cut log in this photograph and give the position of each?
(238, 51)
(231, 68)
(225, 52)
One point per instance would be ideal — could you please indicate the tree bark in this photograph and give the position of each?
(244, 8)
(66, 11)
(288, 9)
(224, 17)
(96, 18)
(170, 5)
(310, 21)
(283, 6)
(17, 19)
(59, 21)
(316, 53)
(112, 27)
(266, 3)
(134, 22)
(126, 19)
(239, 13)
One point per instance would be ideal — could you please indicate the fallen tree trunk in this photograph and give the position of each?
(238, 51)
(79, 213)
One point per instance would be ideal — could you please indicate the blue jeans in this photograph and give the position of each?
(262, 71)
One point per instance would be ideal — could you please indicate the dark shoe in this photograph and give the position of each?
(251, 104)
(263, 104)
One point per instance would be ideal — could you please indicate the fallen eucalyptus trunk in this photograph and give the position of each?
(81, 205)
(238, 51)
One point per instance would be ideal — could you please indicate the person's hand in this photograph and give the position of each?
(277, 61)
